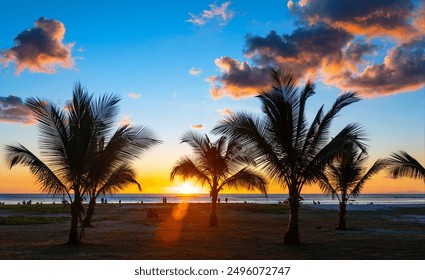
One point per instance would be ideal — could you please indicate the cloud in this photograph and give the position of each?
(375, 47)
(225, 112)
(134, 95)
(14, 110)
(40, 49)
(302, 52)
(364, 17)
(195, 71)
(125, 120)
(403, 69)
(197, 126)
(221, 13)
(237, 79)
(291, 5)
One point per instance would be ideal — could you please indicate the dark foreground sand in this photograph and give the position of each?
(245, 231)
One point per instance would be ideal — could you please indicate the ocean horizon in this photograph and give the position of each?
(404, 198)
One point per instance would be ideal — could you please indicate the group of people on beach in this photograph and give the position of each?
(219, 200)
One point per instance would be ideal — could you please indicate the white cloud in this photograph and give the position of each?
(125, 120)
(134, 95)
(195, 71)
(221, 13)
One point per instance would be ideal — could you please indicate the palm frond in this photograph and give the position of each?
(402, 164)
(252, 133)
(45, 176)
(245, 179)
(322, 135)
(187, 169)
(326, 187)
(378, 166)
(118, 179)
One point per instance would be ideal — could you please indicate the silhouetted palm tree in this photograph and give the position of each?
(404, 165)
(69, 142)
(110, 172)
(346, 176)
(292, 152)
(115, 181)
(218, 165)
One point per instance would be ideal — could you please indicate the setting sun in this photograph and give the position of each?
(188, 188)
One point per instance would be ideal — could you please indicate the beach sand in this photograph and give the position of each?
(245, 231)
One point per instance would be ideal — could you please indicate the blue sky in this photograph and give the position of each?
(145, 50)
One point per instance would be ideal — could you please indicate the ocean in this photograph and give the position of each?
(380, 199)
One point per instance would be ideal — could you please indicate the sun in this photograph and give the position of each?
(187, 188)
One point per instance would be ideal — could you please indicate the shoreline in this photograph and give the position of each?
(309, 199)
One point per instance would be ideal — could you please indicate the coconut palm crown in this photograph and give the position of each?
(217, 165)
(292, 152)
(76, 158)
(346, 176)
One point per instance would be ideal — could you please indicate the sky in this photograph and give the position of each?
(184, 65)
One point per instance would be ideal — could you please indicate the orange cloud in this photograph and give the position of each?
(226, 112)
(403, 69)
(40, 49)
(197, 126)
(237, 80)
(334, 41)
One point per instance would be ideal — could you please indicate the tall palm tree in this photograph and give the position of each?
(69, 143)
(218, 165)
(346, 176)
(292, 152)
(404, 165)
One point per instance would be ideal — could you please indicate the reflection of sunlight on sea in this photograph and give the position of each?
(170, 229)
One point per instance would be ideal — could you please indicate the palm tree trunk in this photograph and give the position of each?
(342, 211)
(90, 212)
(213, 214)
(292, 235)
(74, 238)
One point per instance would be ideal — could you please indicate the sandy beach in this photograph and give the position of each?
(245, 231)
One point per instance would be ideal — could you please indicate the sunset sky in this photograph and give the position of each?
(183, 65)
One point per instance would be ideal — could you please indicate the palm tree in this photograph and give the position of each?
(110, 172)
(116, 181)
(346, 176)
(404, 165)
(218, 165)
(69, 141)
(292, 152)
